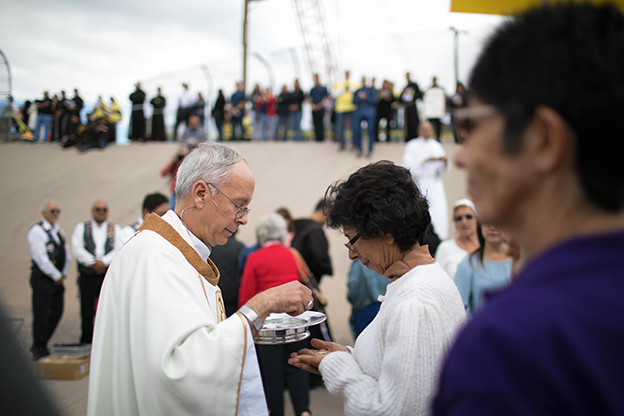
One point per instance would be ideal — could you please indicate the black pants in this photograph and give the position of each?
(277, 373)
(90, 286)
(182, 116)
(319, 129)
(437, 127)
(388, 118)
(47, 306)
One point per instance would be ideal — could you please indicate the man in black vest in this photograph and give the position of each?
(50, 261)
(94, 244)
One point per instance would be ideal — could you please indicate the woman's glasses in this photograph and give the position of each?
(468, 217)
(350, 243)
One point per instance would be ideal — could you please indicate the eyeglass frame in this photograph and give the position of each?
(350, 243)
(459, 218)
(464, 115)
(240, 209)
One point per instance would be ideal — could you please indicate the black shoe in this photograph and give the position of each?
(38, 353)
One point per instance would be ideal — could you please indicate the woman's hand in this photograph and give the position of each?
(310, 360)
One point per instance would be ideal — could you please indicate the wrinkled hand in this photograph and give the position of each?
(310, 360)
(291, 298)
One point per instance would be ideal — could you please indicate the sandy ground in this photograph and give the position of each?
(294, 175)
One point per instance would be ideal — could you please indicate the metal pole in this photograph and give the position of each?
(245, 46)
(268, 68)
(6, 61)
(456, 36)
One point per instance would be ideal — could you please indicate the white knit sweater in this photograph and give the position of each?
(394, 367)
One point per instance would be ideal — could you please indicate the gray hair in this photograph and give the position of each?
(209, 162)
(271, 227)
(43, 206)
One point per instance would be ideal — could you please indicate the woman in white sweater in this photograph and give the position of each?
(450, 252)
(393, 367)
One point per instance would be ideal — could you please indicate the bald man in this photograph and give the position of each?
(50, 261)
(94, 244)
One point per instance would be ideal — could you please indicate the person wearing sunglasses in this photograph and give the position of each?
(94, 244)
(450, 252)
(50, 262)
(161, 325)
(393, 366)
(542, 148)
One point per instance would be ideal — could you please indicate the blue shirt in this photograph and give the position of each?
(367, 105)
(237, 97)
(475, 280)
(552, 343)
(317, 94)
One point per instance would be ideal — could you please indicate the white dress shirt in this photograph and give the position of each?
(99, 238)
(37, 241)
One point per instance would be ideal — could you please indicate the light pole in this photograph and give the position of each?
(456, 45)
(245, 46)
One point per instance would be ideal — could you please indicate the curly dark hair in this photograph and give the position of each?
(378, 199)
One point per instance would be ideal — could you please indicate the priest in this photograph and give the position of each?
(162, 343)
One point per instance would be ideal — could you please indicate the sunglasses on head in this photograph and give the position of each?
(458, 218)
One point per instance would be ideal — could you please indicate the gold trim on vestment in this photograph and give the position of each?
(207, 269)
(240, 380)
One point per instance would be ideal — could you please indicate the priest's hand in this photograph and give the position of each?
(310, 360)
(292, 298)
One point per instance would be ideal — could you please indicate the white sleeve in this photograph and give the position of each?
(403, 386)
(37, 240)
(77, 247)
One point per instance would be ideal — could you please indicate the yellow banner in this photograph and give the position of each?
(508, 7)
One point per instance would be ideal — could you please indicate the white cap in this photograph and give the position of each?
(465, 202)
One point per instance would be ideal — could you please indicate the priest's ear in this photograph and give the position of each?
(200, 193)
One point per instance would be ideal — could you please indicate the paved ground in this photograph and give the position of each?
(289, 174)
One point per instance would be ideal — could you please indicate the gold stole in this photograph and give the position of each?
(208, 270)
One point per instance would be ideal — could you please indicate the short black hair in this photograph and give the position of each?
(569, 57)
(380, 198)
(153, 201)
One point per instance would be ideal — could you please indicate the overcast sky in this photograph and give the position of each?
(105, 47)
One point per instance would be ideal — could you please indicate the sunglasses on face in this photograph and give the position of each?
(100, 209)
(468, 217)
(55, 211)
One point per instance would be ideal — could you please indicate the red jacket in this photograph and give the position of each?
(270, 266)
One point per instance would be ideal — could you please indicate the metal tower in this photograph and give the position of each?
(317, 44)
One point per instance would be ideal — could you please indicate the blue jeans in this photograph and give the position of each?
(357, 130)
(295, 125)
(265, 125)
(282, 124)
(45, 121)
(341, 120)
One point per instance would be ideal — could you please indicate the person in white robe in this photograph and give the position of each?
(162, 343)
(426, 160)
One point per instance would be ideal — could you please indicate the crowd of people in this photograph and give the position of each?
(259, 115)
(519, 313)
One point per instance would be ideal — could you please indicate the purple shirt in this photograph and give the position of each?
(552, 343)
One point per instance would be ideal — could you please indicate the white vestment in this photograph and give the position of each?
(158, 348)
(427, 176)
